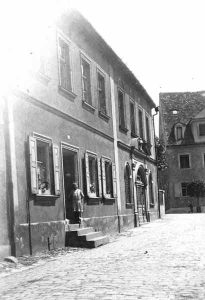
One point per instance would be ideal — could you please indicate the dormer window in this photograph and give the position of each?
(179, 131)
(202, 129)
(175, 112)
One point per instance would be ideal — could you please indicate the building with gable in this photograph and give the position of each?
(81, 117)
(182, 127)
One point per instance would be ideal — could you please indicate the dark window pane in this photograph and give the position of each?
(86, 82)
(108, 176)
(140, 124)
(101, 93)
(179, 132)
(65, 71)
(121, 109)
(132, 117)
(184, 161)
(201, 129)
(147, 129)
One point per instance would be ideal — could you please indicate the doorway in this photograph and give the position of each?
(141, 184)
(70, 169)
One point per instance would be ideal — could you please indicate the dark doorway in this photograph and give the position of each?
(141, 184)
(70, 168)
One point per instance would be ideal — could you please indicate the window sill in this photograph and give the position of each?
(66, 93)
(103, 116)
(92, 200)
(45, 200)
(151, 205)
(129, 205)
(88, 107)
(133, 134)
(108, 201)
(123, 129)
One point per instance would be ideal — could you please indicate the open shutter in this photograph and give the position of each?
(56, 169)
(87, 174)
(99, 179)
(33, 164)
(103, 177)
(114, 180)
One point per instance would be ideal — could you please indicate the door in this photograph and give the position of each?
(70, 169)
(141, 203)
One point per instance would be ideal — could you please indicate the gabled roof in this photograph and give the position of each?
(186, 107)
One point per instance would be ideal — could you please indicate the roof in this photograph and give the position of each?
(179, 107)
(89, 31)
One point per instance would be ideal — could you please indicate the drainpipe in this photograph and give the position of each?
(156, 112)
(114, 122)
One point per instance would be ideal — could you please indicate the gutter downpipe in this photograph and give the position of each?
(156, 110)
(114, 122)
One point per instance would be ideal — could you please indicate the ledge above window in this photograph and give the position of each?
(123, 129)
(103, 116)
(66, 93)
(88, 106)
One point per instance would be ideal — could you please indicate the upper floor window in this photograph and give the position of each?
(141, 129)
(132, 117)
(148, 129)
(179, 132)
(101, 93)
(202, 129)
(64, 65)
(44, 166)
(184, 161)
(86, 81)
(121, 106)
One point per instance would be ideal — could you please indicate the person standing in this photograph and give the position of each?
(76, 196)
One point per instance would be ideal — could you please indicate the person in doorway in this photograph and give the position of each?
(76, 196)
(190, 205)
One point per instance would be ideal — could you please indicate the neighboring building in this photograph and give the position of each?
(182, 127)
(82, 117)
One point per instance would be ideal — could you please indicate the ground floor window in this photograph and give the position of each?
(184, 186)
(109, 180)
(93, 175)
(128, 186)
(44, 166)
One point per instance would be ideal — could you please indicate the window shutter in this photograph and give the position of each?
(114, 180)
(87, 174)
(99, 179)
(33, 164)
(103, 177)
(56, 169)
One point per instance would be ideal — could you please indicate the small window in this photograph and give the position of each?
(179, 133)
(141, 130)
(132, 117)
(101, 93)
(184, 189)
(202, 129)
(109, 179)
(64, 65)
(147, 129)
(44, 167)
(121, 106)
(184, 161)
(86, 82)
(128, 188)
(93, 175)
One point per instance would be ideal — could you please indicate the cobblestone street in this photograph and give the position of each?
(160, 260)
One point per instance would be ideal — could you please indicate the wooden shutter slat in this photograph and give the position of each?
(56, 169)
(33, 164)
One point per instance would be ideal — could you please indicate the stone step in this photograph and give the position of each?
(91, 235)
(96, 242)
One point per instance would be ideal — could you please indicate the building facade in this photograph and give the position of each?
(82, 117)
(182, 127)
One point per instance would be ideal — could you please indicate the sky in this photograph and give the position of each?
(161, 41)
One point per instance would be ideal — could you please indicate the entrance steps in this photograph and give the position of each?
(84, 237)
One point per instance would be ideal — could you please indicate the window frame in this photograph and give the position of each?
(148, 129)
(184, 183)
(99, 176)
(133, 132)
(201, 124)
(113, 195)
(54, 166)
(102, 74)
(122, 127)
(88, 61)
(141, 128)
(68, 43)
(179, 157)
(128, 186)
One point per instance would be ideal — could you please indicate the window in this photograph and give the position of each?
(179, 133)
(132, 117)
(184, 189)
(44, 166)
(128, 187)
(184, 161)
(141, 131)
(147, 129)
(64, 65)
(86, 82)
(93, 175)
(109, 179)
(202, 129)
(101, 93)
(121, 110)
